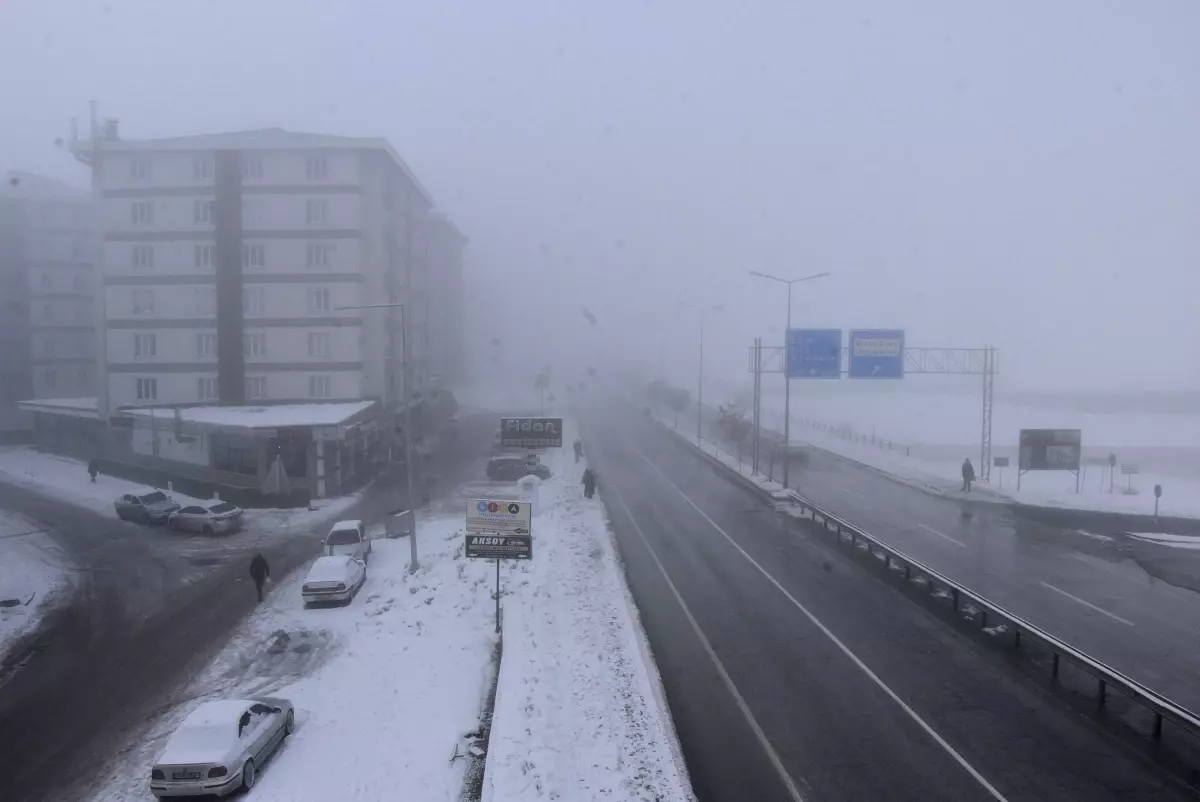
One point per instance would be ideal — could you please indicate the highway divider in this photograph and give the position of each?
(987, 614)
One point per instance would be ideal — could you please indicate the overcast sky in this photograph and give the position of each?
(1019, 174)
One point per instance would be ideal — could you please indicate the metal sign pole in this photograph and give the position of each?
(497, 595)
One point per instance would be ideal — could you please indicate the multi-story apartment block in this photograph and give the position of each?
(48, 250)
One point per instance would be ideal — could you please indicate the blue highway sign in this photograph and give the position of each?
(877, 353)
(814, 353)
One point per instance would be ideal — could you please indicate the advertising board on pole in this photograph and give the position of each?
(531, 432)
(494, 516)
(500, 547)
(1050, 449)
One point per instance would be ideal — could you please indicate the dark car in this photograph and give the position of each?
(512, 469)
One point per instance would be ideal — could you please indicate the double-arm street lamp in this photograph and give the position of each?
(704, 312)
(787, 381)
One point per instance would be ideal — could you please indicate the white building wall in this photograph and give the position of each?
(293, 385)
(168, 168)
(160, 441)
(290, 167)
(168, 302)
(173, 388)
(289, 300)
(291, 344)
(166, 214)
(266, 212)
(173, 345)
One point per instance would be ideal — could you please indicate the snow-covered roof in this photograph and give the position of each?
(334, 568)
(207, 735)
(20, 184)
(75, 407)
(261, 416)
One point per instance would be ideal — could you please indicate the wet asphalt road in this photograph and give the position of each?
(793, 673)
(149, 609)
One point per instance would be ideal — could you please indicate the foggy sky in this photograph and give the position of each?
(1023, 175)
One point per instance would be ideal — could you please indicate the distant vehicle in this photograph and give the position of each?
(333, 579)
(349, 538)
(220, 746)
(511, 469)
(212, 520)
(153, 507)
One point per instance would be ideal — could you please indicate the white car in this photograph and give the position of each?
(333, 579)
(349, 538)
(220, 746)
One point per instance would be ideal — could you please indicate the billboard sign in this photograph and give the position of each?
(813, 353)
(496, 516)
(877, 353)
(500, 547)
(1050, 449)
(531, 432)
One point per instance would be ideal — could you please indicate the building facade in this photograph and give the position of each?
(48, 253)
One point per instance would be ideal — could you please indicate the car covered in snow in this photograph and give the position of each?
(333, 579)
(350, 539)
(214, 519)
(221, 746)
(512, 469)
(152, 507)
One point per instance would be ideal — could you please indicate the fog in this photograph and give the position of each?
(1022, 175)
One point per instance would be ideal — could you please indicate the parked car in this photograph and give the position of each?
(220, 747)
(152, 507)
(349, 538)
(511, 469)
(214, 519)
(333, 579)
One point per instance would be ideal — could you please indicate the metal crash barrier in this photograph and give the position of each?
(991, 613)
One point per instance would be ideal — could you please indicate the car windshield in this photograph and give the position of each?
(154, 498)
(221, 508)
(343, 537)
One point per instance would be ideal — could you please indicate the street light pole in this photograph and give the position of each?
(700, 375)
(413, 564)
(787, 379)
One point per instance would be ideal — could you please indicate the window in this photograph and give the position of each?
(319, 387)
(254, 301)
(320, 254)
(316, 168)
(206, 344)
(318, 343)
(316, 211)
(256, 386)
(147, 389)
(202, 167)
(252, 166)
(143, 257)
(142, 213)
(51, 378)
(318, 299)
(254, 256)
(252, 212)
(49, 347)
(206, 301)
(139, 169)
(203, 256)
(202, 211)
(142, 302)
(254, 344)
(47, 280)
(206, 388)
(145, 345)
(79, 282)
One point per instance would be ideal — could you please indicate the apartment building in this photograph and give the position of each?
(260, 272)
(48, 253)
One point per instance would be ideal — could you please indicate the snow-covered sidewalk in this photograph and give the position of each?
(388, 686)
(33, 577)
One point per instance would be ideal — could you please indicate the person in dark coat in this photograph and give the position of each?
(968, 474)
(578, 449)
(260, 572)
(589, 483)
(93, 469)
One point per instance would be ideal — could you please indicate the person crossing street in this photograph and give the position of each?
(260, 572)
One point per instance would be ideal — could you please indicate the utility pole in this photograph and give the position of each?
(700, 376)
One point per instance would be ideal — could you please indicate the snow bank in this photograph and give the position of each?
(32, 571)
(579, 713)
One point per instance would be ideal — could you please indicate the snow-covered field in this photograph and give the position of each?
(389, 686)
(33, 573)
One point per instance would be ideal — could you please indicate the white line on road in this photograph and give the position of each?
(761, 736)
(1085, 603)
(942, 535)
(950, 750)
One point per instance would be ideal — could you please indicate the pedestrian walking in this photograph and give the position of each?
(260, 572)
(578, 449)
(93, 469)
(968, 475)
(589, 483)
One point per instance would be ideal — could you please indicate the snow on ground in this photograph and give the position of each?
(67, 479)
(33, 572)
(1187, 542)
(388, 686)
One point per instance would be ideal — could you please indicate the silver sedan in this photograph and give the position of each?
(212, 520)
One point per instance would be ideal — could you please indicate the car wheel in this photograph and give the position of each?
(249, 774)
(208, 530)
(289, 723)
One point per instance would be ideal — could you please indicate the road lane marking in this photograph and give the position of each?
(1086, 603)
(942, 535)
(854, 658)
(1088, 561)
(761, 736)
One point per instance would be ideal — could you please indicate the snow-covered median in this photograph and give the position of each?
(388, 687)
(33, 577)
